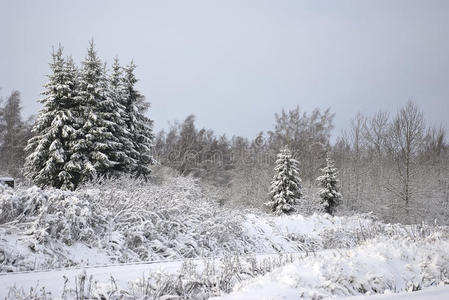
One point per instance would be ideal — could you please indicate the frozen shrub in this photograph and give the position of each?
(128, 219)
(68, 218)
(18, 205)
(9, 206)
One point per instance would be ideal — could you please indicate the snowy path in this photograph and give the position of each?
(53, 279)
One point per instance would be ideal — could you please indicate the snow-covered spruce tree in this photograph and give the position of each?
(74, 164)
(329, 192)
(114, 116)
(286, 183)
(126, 158)
(48, 162)
(95, 138)
(14, 133)
(139, 125)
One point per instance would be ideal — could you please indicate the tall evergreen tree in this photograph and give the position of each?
(76, 162)
(13, 136)
(286, 183)
(96, 138)
(329, 192)
(91, 124)
(48, 163)
(139, 125)
(128, 154)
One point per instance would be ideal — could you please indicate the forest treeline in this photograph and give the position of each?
(394, 165)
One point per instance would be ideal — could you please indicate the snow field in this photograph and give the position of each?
(125, 221)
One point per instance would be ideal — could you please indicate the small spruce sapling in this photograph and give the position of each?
(286, 184)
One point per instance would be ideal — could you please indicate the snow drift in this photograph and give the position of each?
(378, 266)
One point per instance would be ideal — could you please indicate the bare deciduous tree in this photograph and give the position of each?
(354, 139)
(306, 135)
(405, 140)
(376, 129)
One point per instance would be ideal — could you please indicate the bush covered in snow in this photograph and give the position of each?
(126, 220)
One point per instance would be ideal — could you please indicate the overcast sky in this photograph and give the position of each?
(235, 63)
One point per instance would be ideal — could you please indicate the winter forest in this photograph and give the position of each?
(100, 201)
(94, 124)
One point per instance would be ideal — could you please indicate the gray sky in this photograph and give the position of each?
(235, 63)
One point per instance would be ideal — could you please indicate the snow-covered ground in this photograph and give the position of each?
(378, 266)
(123, 274)
(53, 280)
(433, 293)
(203, 250)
